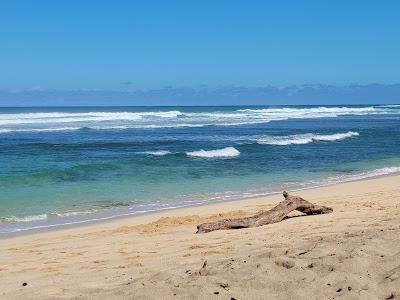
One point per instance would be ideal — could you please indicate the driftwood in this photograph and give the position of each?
(274, 215)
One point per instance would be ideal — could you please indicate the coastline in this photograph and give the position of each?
(149, 256)
(109, 216)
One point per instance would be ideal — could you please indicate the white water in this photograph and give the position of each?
(58, 117)
(63, 121)
(226, 152)
(300, 139)
(158, 153)
(13, 219)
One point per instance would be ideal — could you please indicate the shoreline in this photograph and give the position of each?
(108, 217)
(352, 252)
(151, 216)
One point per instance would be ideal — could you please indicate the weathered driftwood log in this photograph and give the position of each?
(274, 215)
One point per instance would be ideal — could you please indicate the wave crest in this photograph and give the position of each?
(223, 153)
(54, 121)
(158, 153)
(304, 138)
(14, 219)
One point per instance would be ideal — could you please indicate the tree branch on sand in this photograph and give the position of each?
(274, 215)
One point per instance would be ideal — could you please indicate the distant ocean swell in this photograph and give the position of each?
(56, 121)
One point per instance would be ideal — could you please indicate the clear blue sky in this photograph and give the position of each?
(100, 44)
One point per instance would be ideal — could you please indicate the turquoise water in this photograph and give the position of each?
(68, 165)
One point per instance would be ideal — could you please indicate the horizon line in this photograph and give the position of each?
(252, 105)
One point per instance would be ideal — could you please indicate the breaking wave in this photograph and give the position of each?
(13, 219)
(42, 129)
(58, 117)
(224, 153)
(158, 153)
(390, 106)
(358, 176)
(315, 112)
(63, 121)
(300, 139)
(43, 217)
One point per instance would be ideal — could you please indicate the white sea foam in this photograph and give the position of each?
(354, 177)
(40, 129)
(315, 111)
(300, 139)
(10, 130)
(14, 219)
(158, 153)
(226, 152)
(55, 121)
(74, 213)
(58, 117)
(336, 136)
(390, 106)
(377, 172)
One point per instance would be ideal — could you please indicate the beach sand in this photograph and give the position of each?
(353, 253)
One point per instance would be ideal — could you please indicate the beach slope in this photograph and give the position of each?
(352, 253)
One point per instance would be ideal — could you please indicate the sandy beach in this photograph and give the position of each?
(352, 253)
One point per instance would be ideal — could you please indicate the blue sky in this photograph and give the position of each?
(153, 44)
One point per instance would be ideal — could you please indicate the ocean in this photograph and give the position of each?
(71, 165)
